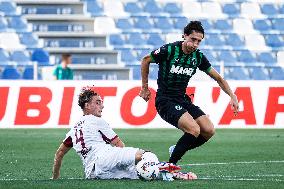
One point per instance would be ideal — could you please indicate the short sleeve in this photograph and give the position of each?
(68, 140)
(160, 54)
(205, 65)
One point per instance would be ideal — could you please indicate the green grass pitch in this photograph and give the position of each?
(233, 158)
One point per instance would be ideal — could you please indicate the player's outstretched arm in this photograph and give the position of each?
(226, 88)
(145, 92)
(60, 153)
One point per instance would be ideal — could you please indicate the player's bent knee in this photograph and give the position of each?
(208, 132)
(193, 129)
(188, 125)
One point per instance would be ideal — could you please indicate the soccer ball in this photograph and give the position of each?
(150, 157)
(147, 170)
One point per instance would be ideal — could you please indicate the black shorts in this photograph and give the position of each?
(171, 109)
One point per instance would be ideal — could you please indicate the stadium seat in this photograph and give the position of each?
(153, 71)
(281, 8)
(267, 57)
(235, 40)
(246, 57)
(214, 40)
(29, 73)
(278, 24)
(9, 8)
(4, 57)
(116, 40)
(124, 24)
(180, 22)
(136, 39)
(3, 24)
(255, 42)
(274, 40)
(11, 72)
(250, 9)
(191, 9)
(152, 7)
(269, 9)
(40, 56)
(105, 25)
(128, 56)
(94, 8)
(210, 55)
(133, 8)
(212, 9)
(18, 23)
(10, 41)
(239, 73)
(232, 9)
(164, 24)
(143, 22)
(242, 25)
(114, 8)
(21, 57)
(29, 39)
(155, 39)
(222, 24)
(262, 25)
(172, 8)
(207, 24)
(277, 73)
(136, 71)
(259, 73)
(141, 52)
(228, 57)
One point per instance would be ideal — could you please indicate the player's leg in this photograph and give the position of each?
(118, 163)
(206, 126)
(191, 130)
(175, 114)
(207, 130)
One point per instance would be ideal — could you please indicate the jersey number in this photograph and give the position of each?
(84, 150)
(81, 138)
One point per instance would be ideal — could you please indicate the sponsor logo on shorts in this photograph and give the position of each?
(178, 107)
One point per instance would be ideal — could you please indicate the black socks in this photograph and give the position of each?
(182, 146)
(198, 142)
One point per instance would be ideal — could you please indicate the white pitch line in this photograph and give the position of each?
(25, 179)
(239, 179)
(229, 163)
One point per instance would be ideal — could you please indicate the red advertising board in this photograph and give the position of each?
(53, 104)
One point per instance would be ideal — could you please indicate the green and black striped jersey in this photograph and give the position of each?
(176, 68)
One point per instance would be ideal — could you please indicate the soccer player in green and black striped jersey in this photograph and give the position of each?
(178, 62)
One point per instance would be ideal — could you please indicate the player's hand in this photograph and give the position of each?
(234, 104)
(145, 93)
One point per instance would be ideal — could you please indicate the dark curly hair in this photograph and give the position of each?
(193, 26)
(85, 96)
